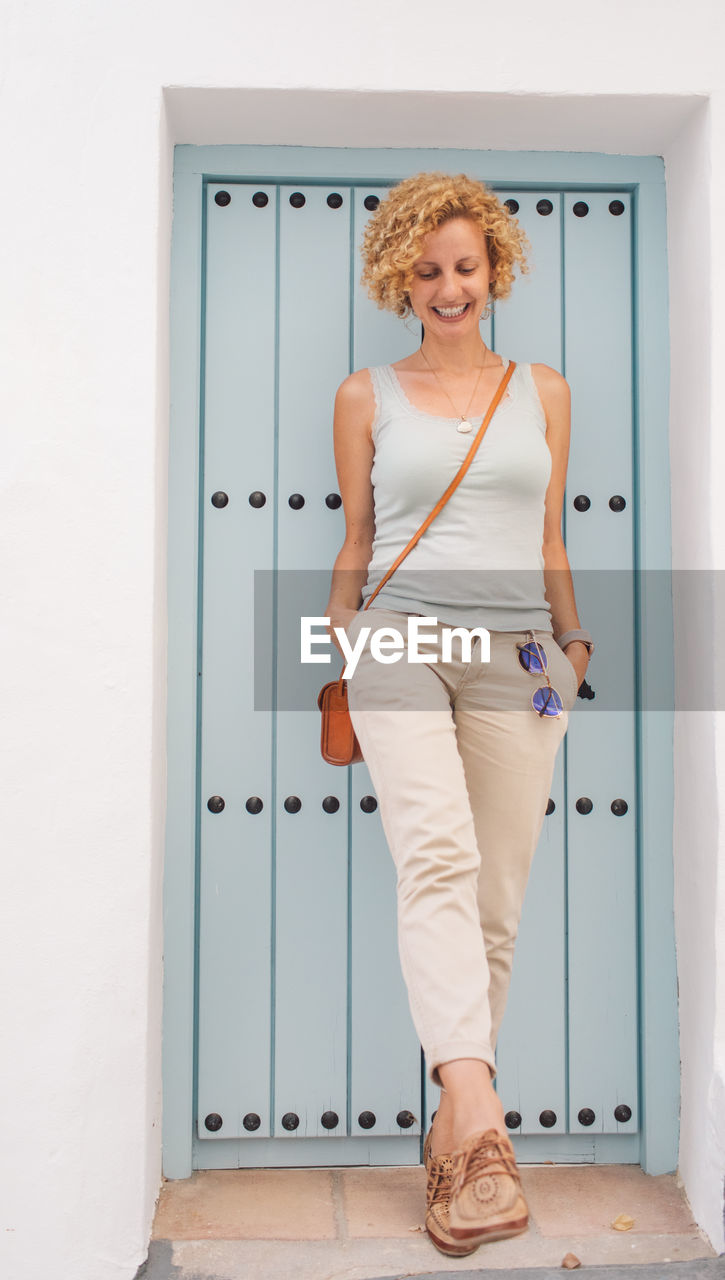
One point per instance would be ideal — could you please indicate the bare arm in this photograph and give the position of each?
(354, 451)
(555, 397)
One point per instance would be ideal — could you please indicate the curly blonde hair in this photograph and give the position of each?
(393, 238)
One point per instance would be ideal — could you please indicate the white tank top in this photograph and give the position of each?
(480, 562)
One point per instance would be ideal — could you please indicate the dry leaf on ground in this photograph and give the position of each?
(570, 1261)
(623, 1222)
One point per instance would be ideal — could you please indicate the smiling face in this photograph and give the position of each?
(451, 278)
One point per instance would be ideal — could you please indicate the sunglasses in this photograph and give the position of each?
(545, 700)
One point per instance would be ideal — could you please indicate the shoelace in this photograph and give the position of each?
(489, 1155)
(438, 1187)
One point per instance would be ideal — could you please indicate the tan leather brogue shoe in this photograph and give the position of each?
(486, 1199)
(439, 1170)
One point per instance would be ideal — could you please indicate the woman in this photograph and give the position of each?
(460, 755)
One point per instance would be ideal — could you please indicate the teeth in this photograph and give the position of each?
(451, 311)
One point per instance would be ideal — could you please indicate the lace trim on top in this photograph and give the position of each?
(395, 385)
(386, 383)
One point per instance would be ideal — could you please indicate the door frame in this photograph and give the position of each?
(644, 178)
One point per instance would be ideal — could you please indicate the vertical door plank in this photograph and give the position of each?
(531, 1053)
(527, 326)
(311, 971)
(234, 875)
(602, 884)
(385, 1060)
(379, 336)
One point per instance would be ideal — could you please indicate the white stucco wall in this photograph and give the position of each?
(86, 226)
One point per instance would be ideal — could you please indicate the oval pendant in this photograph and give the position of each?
(464, 426)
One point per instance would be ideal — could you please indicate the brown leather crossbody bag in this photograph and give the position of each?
(338, 742)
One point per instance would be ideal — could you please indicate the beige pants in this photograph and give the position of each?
(462, 767)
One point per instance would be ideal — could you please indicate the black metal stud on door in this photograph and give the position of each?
(405, 1119)
(293, 804)
(619, 808)
(333, 501)
(254, 805)
(617, 502)
(290, 1120)
(616, 207)
(547, 1119)
(297, 200)
(550, 807)
(219, 499)
(366, 1119)
(296, 501)
(582, 502)
(222, 198)
(260, 199)
(512, 205)
(330, 804)
(251, 1121)
(544, 207)
(329, 1119)
(580, 209)
(584, 805)
(513, 1119)
(586, 1116)
(368, 804)
(213, 1122)
(334, 199)
(371, 203)
(215, 804)
(257, 499)
(622, 1113)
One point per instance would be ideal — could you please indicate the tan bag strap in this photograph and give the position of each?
(454, 482)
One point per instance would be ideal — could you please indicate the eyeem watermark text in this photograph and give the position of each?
(387, 644)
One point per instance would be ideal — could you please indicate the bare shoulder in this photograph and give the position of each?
(550, 380)
(355, 410)
(355, 393)
(553, 388)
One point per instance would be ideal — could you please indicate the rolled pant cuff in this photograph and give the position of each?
(443, 1053)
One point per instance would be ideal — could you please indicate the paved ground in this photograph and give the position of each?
(367, 1224)
(164, 1264)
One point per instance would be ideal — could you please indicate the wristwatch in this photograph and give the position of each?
(584, 636)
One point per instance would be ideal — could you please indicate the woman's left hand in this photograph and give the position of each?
(578, 655)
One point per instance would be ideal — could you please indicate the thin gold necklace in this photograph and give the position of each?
(464, 425)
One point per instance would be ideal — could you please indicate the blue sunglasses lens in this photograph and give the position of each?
(533, 658)
(546, 701)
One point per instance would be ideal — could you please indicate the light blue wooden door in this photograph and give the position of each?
(305, 1049)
